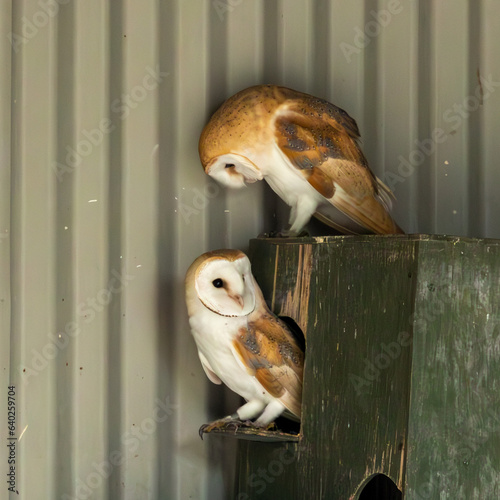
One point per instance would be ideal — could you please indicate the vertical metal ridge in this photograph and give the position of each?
(321, 65)
(409, 210)
(474, 157)
(346, 78)
(451, 113)
(396, 90)
(168, 320)
(370, 76)
(5, 216)
(191, 233)
(94, 289)
(15, 200)
(491, 111)
(270, 27)
(272, 73)
(139, 104)
(244, 68)
(216, 93)
(426, 186)
(295, 51)
(33, 219)
(114, 390)
(64, 471)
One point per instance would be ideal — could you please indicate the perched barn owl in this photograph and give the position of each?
(240, 341)
(306, 149)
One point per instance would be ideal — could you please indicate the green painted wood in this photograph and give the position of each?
(402, 368)
(454, 422)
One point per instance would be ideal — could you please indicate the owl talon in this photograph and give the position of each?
(218, 424)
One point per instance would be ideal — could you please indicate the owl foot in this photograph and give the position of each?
(263, 427)
(238, 424)
(285, 233)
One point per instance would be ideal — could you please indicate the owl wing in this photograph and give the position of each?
(208, 369)
(321, 141)
(267, 351)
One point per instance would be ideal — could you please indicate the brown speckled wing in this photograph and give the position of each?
(320, 140)
(268, 351)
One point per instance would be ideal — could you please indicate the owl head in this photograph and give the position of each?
(227, 142)
(222, 282)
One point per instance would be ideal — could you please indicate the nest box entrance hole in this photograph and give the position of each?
(380, 487)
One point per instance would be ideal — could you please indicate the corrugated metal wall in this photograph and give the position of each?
(104, 203)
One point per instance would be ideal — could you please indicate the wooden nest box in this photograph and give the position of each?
(401, 394)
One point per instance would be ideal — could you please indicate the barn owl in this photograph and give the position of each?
(240, 341)
(306, 149)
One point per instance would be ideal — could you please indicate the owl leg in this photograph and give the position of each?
(249, 410)
(272, 412)
(300, 214)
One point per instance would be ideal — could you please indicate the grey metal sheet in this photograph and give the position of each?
(105, 204)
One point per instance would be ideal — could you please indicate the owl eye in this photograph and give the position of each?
(229, 165)
(218, 283)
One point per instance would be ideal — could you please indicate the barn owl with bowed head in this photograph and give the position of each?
(240, 341)
(306, 149)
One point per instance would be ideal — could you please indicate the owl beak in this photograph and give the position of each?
(238, 299)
